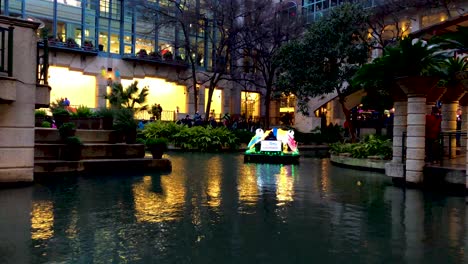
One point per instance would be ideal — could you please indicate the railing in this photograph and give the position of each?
(450, 135)
(6, 50)
(42, 62)
(441, 142)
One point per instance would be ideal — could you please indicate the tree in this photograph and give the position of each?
(130, 98)
(265, 32)
(216, 20)
(326, 58)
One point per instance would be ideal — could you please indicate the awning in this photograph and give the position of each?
(351, 100)
(441, 28)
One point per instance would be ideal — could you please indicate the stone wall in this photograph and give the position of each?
(17, 115)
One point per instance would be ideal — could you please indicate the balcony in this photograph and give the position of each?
(70, 47)
(156, 60)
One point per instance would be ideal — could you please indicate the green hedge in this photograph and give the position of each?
(194, 138)
(372, 145)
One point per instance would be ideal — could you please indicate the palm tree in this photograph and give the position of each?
(131, 97)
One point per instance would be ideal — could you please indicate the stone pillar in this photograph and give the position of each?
(396, 168)
(17, 114)
(101, 91)
(399, 126)
(449, 124)
(416, 132)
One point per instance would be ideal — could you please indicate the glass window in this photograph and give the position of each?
(115, 43)
(143, 43)
(103, 40)
(250, 104)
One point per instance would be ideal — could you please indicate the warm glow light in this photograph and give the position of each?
(216, 101)
(250, 104)
(42, 220)
(285, 185)
(168, 94)
(154, 207)
(213, 191)
(247, 186)
(78, 88)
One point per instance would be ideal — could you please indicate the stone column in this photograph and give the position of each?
(399, 126)
(449, 124)
(17, 104)
(416, 132)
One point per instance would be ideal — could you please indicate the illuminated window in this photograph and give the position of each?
(430, 20)
(250, 104)
(103, 40)
(115, 44)
(216, 101)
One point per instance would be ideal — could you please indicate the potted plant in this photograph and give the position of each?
(40, 116)
(46, 124)
(88, 45)
(67, 130)
(83, 117)
(412, 64)
(107, 117)
(71, 43)
(157, 146)
(72, 149)
(142, 53)
(155, 55)
(449, 71)
(126, 124)
(168, 56)
(61, 116)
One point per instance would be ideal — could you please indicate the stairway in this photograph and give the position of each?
(98, 154)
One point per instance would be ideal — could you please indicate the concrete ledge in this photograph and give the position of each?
(16, 175)
(395, 169)
(359, 164)
(91, 151)
(47, 169)
(7, 89)
(42, 96)
(51, 135)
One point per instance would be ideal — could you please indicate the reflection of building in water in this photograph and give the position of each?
(158, 207)
(213, 189)
(285, 185)
(42, 220)
(325, 178)
(247, 185)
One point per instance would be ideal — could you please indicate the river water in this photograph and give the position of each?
(213, 208)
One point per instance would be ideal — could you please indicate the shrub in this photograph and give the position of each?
(46, 124)
(160, 129)
(104, 112)
(124, 120)
(40, 113)
(243, 136)
(83, 111)
(73, 141)
(60, 112)
(372, 145)
(66, 130)
(160, 143)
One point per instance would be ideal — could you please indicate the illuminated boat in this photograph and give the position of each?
(272, 146)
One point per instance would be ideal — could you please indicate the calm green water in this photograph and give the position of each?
(216, 209)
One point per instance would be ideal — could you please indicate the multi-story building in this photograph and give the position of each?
(94, 43)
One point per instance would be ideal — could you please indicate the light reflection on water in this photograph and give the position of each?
(216, 209)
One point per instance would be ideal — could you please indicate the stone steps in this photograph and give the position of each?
(54, 151)
(51, 135)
